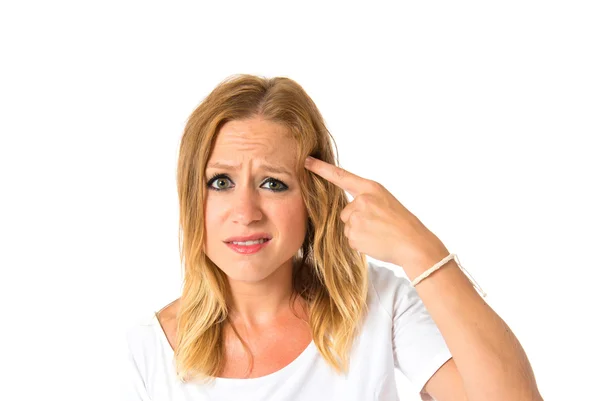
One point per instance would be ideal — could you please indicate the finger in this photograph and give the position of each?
(347, 229)
(345, 215)
(337, 175)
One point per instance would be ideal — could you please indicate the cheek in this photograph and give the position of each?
(213, 213)
(291, 215)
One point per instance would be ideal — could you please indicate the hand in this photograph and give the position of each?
(377, 224)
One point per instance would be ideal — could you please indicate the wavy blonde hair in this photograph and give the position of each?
(328, 273)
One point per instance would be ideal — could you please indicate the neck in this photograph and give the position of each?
(260, 303)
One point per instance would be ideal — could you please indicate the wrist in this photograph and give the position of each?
(421, 262)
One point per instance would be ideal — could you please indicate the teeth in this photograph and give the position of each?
(260, 241)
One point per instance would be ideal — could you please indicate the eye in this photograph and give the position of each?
(279, 186)
(219, 179)
(273, 184)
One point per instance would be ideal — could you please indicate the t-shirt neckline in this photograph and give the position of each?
(300, 359)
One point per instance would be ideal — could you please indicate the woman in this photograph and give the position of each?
(279, 301)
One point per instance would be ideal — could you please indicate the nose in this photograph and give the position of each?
(246, 207)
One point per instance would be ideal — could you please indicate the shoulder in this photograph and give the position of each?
(387, 278)
(142, 334)
(167, 319)
(395, 294)
(140, 325)
(168, 313)
(389, 285)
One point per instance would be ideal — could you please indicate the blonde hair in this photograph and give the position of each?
(328, 273)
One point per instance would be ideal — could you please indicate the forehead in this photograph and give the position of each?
(254, 138)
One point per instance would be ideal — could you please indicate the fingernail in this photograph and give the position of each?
(308, 160)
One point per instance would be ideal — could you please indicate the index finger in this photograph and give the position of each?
(336, 175)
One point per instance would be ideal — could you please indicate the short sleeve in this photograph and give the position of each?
(133, 387)
(418, 346)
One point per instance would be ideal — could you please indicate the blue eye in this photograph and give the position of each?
(280, 186)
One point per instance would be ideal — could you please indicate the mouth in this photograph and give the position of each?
(248, 247)
(248, 238)
(248, 243)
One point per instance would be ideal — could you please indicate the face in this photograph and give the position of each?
(247, 198)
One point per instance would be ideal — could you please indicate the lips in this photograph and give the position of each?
(251, 237)
(248, 250)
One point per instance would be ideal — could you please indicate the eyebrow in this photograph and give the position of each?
(265, 167)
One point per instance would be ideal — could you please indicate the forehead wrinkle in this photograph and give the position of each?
(255, 145)
(228, 143)
(262, 166)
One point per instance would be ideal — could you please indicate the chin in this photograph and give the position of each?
(248, 274)
(251, 268)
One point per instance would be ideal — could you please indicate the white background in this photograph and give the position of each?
(482, 118)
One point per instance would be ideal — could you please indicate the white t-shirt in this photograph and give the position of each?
(398, 333)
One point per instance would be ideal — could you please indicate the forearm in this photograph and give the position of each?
(488, 356)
